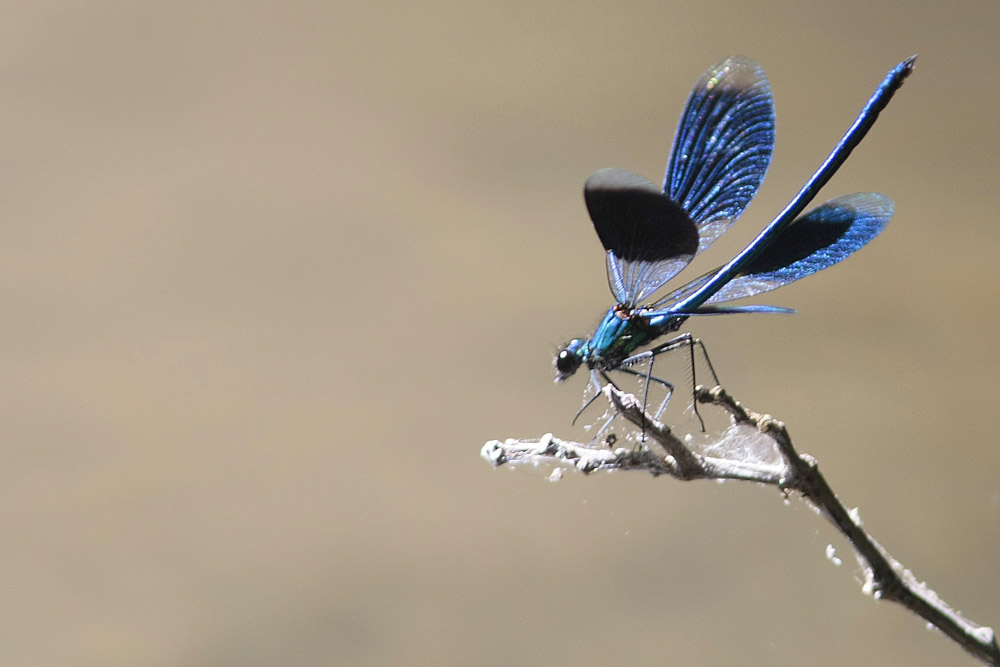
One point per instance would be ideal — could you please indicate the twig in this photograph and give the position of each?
(886, 578)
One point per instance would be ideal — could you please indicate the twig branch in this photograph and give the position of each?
(886, 578)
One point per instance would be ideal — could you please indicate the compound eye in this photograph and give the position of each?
(567, 362)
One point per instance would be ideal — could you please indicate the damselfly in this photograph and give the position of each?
(720, 154)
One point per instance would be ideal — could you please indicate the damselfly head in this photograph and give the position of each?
(568, 359)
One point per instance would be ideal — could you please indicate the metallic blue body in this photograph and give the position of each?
(621, 333)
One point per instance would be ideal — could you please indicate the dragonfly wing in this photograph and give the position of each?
(648, 237)
(819, 239)
(723, 146)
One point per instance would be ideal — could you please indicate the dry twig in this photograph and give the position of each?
(885, 577)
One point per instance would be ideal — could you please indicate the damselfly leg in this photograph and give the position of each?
(683, 341)
(599, 379)
(596, 387)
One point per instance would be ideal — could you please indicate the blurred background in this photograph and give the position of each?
(271, 274)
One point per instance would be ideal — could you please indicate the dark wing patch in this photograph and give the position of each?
(635, 220)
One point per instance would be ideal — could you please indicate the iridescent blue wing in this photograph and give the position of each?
(723, 146)
(648, 237)
(720, 154)
(824, 236)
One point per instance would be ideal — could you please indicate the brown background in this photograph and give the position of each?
(271, 274)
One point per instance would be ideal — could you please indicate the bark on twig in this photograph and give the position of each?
(885, 577)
